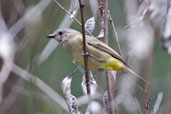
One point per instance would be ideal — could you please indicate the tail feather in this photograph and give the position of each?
(141, 83)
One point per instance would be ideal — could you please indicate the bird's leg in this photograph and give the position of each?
(93, 56)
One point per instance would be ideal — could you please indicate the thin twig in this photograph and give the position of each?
(149, 76)
(108, 78)
(116, 34)
(70, 75)
(84, 47)
(71, 15)
(147, 97)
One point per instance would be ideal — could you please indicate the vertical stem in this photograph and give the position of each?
(108, 78)
(149, 76)
(106, 21)
(147, 97)
(84, 47)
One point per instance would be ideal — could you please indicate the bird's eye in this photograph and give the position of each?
(60, 33)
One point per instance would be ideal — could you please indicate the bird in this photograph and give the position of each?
(100, 55)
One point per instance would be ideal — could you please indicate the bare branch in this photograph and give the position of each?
(116, 34)
(84, 47)
(108, 77)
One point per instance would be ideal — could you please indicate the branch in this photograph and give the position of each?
(108, 78)
(116, 34)
(149, 70)
(84, 47)
(140, 44)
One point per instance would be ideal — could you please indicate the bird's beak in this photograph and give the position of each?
(51, 36)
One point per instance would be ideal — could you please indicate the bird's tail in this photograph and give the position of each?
(141, 83)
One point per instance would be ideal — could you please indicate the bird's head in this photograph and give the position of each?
(62, 35)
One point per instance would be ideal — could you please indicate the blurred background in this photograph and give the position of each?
(33, 67)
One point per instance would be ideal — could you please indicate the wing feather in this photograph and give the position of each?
(103, 47)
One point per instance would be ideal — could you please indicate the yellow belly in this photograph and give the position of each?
(114, 64)
(109, 63)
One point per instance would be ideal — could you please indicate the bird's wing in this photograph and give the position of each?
(103, 47)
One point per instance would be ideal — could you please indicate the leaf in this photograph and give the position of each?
(69, 98)
(90, 25)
